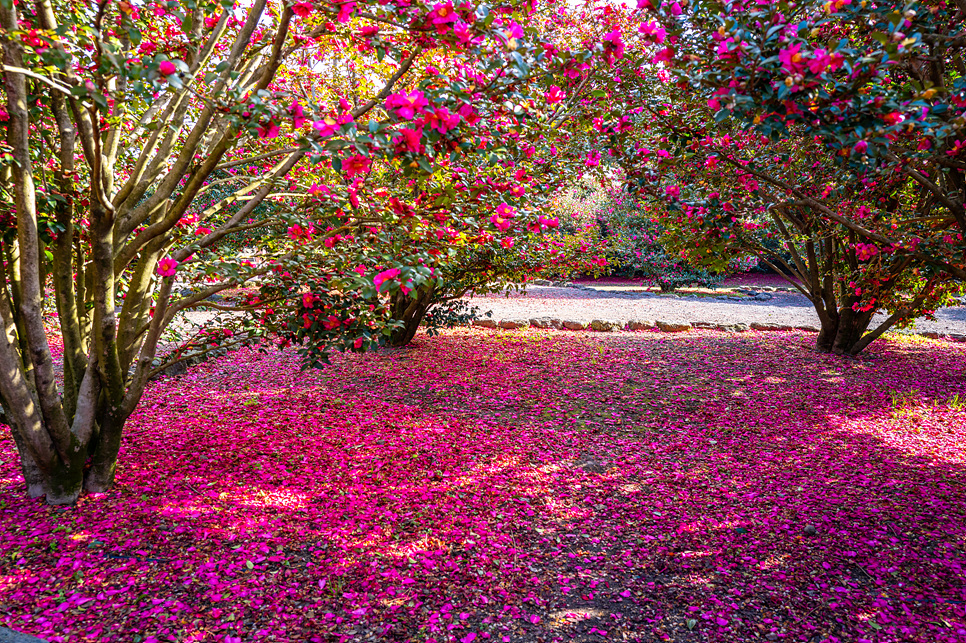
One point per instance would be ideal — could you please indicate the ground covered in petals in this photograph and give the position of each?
(519, 487)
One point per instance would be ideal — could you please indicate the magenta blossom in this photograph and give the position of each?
(792, 60)
(385, 276)
(167, 267)
(269, 130)
(405, 105)
(345, 12)
(302, 9)
(356, 165)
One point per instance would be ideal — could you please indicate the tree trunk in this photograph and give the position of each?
(842, 332)
(100, 476)
(410, 309)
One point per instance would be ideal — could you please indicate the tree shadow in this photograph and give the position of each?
(742, 488)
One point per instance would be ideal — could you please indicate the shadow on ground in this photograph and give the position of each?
(520, 487)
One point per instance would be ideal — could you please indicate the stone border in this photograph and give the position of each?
(759, 293)
(12, 636)
(609, 325)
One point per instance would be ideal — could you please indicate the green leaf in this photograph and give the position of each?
(249, 564)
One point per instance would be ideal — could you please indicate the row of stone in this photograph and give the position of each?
(608, 325)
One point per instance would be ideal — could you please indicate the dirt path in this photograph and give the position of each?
(624, 305)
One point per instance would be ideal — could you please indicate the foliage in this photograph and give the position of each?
(732, 137)
(144, 141)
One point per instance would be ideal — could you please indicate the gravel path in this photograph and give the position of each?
(587, 304)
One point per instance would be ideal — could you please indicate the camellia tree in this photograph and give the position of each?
(817, 127)
(478, 228)
(715, 217)
(881, 86)
(141, 136)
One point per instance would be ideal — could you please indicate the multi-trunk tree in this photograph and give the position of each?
(140, 138)
(832, 132)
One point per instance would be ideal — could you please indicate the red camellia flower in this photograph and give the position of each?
(356, 165)
(302, 9)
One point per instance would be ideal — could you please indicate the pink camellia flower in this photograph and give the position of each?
(345, 11)
(356, 165)
(506, 210)
(411, 139)
(441, 120)
(593, 158)
(270, 130)
(865, 251)
(663, 56)
(308, 300)
(613, 46)
(405, 105)
(551, 222)
(792, 60)
(513, 31)
(822, 61)
(443, 15)
(167, 267)
(861, 147)
(672, 191)
(167, 68)
(501, 223)
(469, 114)
(302, 9)
(298, 115)
(506, 242)
(653, 30)
(330, 125)
(319, 191)
(201, 231)
(554, 95)
(462, 31)
(298, 233)
(385, 276)
(357, 344)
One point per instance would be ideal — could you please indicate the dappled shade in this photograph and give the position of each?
(519, 486)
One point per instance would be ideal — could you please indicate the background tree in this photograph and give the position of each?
(707, 118)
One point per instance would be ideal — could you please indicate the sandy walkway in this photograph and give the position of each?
(586, 305)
